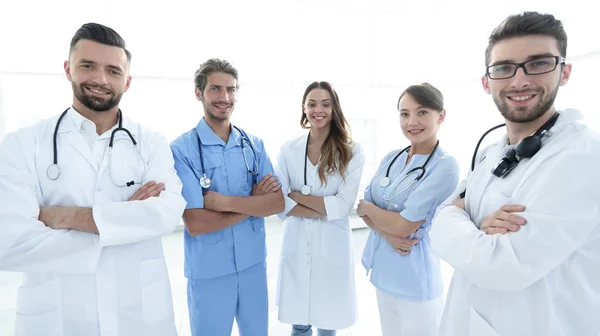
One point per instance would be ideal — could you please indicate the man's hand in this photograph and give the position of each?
(503, 220)
(150, 189)
(52, 217)
(216, 202)
(400, 244)
(363, 205)
(267, 184)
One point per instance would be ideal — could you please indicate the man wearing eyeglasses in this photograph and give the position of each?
(525, 242)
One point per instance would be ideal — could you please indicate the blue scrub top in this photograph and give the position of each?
(242, 245)
(417, 276)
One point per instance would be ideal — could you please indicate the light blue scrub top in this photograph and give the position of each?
(242, 245)
(417, 276)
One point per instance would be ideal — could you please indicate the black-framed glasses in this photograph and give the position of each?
(535, 66)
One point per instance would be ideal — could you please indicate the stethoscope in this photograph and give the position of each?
(305, 190)
(525, 149)
(419, 171)
(54, 170)
(205, 181)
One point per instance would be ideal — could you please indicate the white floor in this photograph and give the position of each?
(367, 325)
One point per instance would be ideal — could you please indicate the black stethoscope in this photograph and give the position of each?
(525, 149)
(205, 181)
(305, 190)
(54, 170)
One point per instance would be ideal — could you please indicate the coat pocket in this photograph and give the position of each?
(39, 310)
(46, 324)
(157, 302)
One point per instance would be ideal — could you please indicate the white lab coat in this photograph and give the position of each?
(543, 279)
(316, 273)
(77, 283)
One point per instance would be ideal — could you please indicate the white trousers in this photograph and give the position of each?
(409, 318)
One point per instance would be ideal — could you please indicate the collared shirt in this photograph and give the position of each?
(242, 245)
(87, 128)
(416, 276)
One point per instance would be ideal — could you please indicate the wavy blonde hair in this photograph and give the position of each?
(336, 151)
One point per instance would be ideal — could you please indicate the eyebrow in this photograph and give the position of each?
(326, 99)
(220, 86)
(529, 58)
(417, 108)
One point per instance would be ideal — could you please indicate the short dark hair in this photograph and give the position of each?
(210, 66)
(528, 23)
(101, 34)
(426, 95)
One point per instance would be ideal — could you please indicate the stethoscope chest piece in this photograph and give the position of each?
(53, 171)
(384, 182)
(204, 182)
(305, 190)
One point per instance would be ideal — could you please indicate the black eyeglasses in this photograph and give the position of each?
(535, 66)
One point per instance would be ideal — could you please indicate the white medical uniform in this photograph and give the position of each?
(409, 288)
(316, 274)
(76, 283)
(543, 279)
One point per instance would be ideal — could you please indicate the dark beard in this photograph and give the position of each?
(524, 116)
(95, 103)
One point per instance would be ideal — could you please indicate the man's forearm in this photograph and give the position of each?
(69, 217)
(258, 206)
(200, 221)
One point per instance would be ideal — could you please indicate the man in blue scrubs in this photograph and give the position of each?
(229, 187)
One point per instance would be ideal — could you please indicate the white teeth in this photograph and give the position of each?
(521, 98)
(97, 91)
(415, 132)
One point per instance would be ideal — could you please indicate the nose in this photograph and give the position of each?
(520, 80)
(413, 120)
(100, 77)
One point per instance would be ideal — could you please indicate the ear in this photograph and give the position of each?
(128, 83)
(485, 82)
(565, 74)
(199, 95)
(67, 67)
(442, 116)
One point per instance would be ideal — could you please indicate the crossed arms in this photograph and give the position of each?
(222, 211)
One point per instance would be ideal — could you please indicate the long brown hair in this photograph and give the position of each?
(336, 151)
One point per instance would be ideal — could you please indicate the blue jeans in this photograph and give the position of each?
(306, 330)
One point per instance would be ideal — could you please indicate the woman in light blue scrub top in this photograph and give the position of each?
(398, 206)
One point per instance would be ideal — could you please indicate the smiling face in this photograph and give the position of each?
(419, 124)
(524, 98)
(318, 108)
(99, 75)
(219, 96)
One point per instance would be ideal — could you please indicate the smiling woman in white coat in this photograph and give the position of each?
(320, 174)
(84, 222)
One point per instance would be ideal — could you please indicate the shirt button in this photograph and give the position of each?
(99, 189)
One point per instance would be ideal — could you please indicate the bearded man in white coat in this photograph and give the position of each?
(525, 241)
(86, 197)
